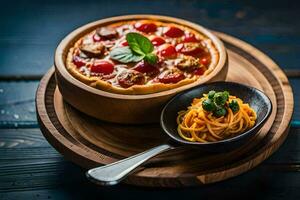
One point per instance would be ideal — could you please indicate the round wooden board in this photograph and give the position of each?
(90, 142)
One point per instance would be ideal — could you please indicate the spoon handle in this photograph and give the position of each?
(113, 173)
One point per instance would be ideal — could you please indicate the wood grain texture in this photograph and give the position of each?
(31, 29)
(37, 27)
(63, 130)
(17, 107)
(295, 82)
(35, 170)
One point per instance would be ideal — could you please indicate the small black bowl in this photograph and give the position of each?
(256, 99)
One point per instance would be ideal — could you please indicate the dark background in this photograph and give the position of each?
(29, 33)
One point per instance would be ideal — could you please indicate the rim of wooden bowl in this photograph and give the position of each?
(63, 47)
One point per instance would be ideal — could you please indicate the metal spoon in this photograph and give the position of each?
(115, 172)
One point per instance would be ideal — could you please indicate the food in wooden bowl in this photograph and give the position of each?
(141, 57)
(123, 69)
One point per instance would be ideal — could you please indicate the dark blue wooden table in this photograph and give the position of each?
(29, 32)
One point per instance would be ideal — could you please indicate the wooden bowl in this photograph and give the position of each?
(119, 108)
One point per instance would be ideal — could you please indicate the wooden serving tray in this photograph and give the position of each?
(89, 142)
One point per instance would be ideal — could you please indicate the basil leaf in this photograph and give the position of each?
(125, 55)
(151, 58)
(139, 43)
(140, 47)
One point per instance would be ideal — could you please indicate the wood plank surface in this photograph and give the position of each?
(267, 25)
(295, 82)
(30, 31)
(30, 168)
(17, 107)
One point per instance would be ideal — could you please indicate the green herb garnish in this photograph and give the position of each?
(216, 103)
(234, 106)
(226, 95)
(208, 105)
(140, 47)
(124, 55)
(211, 94)
(220, 98)
(220, 111)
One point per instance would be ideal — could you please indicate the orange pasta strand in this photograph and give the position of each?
(196, 124)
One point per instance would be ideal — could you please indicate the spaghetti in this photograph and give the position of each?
(196, 124)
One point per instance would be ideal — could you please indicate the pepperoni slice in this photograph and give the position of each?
(190, 38)
(168, 51)
(125, 43)
(102, 67)
(190, 48)
(174, 32)
(205, 61)
(79, 62)
(157, 41)
(129, 78)
(146, 27)
(200, 71)
(147, 68)
(171, 77)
